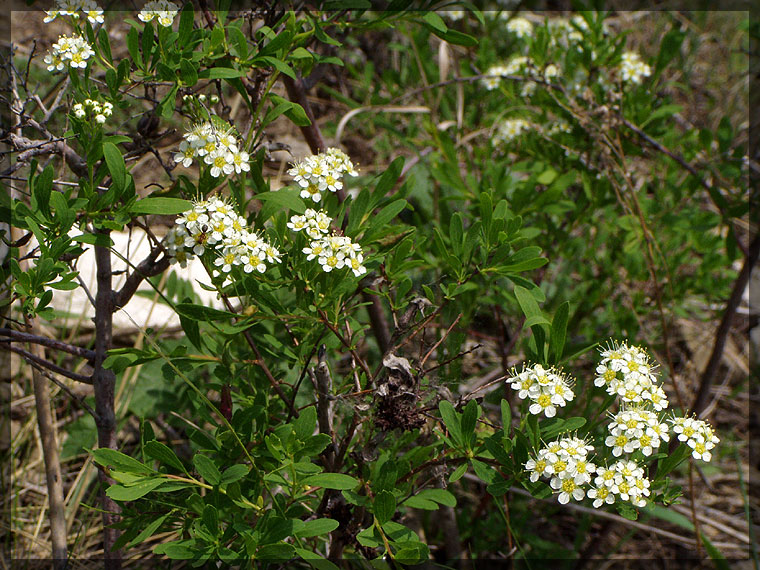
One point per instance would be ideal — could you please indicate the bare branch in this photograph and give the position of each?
(49, 342)
(46, 363)
(148, 267)
(30, 148)
(705, 382)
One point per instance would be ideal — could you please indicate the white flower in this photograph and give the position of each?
(621, 443)
(632, 69)
(510, 129)
(601, 495)
(697, 434)
(221, 161)
(547, 389)
(72, 8)
(543, 404)
(520, 27)
(73, 51)
(163, 11)
(356, 265)
(240, 161)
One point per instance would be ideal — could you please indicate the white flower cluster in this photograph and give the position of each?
(632, 69)
(636, 429)
(510, 129)
(625, 371)
(521, 64)
(72, 8)
(624, 479)
(216, 147)
(213, 225)
(697, 434)
(331, 251)
(163, 11)
(566, 462)
(100, 111)
(71, 51)
(520, 27)
(565, 32)
(320, 172)
(547, 389)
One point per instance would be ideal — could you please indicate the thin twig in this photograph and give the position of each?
(711, 369)
(45, 363)
(49, 342)
(80, 400)
(49, 439)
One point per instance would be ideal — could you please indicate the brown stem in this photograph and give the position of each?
(148, 267)
(31, 148)
(711, 370)
(377, 321)
(49, 439)
(104, 383)
(49, 342)
(312, 133)
(29, 356)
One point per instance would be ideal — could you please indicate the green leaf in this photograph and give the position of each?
(559, 331)
(188, 72)
(177, 550)
(43, 184)
(285, 197)
(484, 471)
(116, 165)
(281, 552)
(148, 531)
(234, 473)
(317, 527)
(378, 222)
(210, 519)
(315, 560)
(94, 239)
(133, 45)
(134, 491)
(294, 111)
(458, 473)
(305, 423)
(527, 302)
(536, 320)
(337, 481)
(459, 38)
(163, 206)
(220, 73)
(207, 469)
(386, 477)
(435, 22)
(451, 420)
(278, 64)
(163, 454)
(384, 506)
(506, 417)
(440, 496)
(112, 458)
(186, 20)
(469, 418)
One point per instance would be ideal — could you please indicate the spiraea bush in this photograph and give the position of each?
(545, 196)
